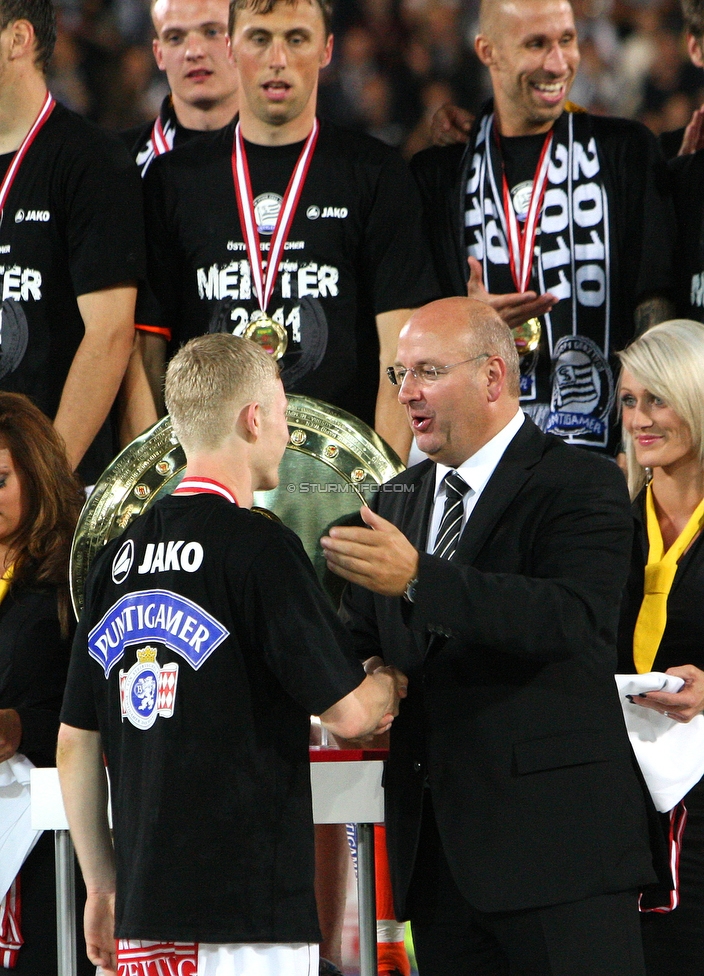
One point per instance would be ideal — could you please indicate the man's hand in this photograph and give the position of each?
(693, 138)
(683, 705)
(368, 710)
(514, 308)
(375, 665)
(10, 733)
(450, 125)
(99, 926)
(382, 560)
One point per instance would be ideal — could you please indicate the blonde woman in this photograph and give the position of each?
(662, 621)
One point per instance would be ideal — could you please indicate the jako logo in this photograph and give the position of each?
(41, 216)
(162, 558)
(337, 213)
(122, 563)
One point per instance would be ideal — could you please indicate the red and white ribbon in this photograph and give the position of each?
(44, 113)
(264, 284)
(162, 142)
(522, 241)
(204, 486)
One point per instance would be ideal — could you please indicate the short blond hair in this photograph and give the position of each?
(208, 382)
(668, 360)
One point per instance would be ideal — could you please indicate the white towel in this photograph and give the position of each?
(16, 835)
(669, 753)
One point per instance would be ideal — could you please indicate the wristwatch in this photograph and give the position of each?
(409, 593)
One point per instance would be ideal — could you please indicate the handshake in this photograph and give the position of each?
(370, 709)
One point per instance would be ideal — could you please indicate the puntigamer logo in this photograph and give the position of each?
(155, 617)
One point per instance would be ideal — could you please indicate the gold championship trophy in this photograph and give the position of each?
(333, 463)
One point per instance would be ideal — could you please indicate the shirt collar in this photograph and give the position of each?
(478, 468)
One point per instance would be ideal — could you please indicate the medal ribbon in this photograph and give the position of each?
(264, 284)
(44, 113)
(160, 141)
(204, 486)
(522, 242)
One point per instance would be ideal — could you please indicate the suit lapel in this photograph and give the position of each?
(416, 510)
(512, 472)
(414, 525)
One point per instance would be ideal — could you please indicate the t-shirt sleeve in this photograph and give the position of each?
(104, 218)
(78, 707)
(291, 619)
(158, 302)
(397, 259)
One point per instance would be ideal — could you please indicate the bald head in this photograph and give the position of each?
(472, 392)
(469, 328)
(493, 12)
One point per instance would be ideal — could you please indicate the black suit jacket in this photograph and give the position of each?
(512, 711)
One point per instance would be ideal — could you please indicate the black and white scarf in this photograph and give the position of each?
(161, 137)
(572, 394)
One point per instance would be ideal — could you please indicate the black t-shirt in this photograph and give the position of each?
(72, 225)
(355, 250)
(205, 645)
(520, 155)
(687, 175)
(139, 140)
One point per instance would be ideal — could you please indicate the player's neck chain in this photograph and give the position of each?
(44, 113)
(204, 486)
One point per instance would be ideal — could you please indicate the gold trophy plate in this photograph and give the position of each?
(332, 464)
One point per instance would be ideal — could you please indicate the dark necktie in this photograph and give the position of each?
(451, 525)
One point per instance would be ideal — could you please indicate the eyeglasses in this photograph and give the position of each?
(426, 374)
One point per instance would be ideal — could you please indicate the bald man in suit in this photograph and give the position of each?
(517, 827)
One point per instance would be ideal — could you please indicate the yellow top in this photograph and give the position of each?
(660, 573)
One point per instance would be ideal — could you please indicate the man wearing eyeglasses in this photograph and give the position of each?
(517, 830)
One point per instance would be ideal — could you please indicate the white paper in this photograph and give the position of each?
(669, 753)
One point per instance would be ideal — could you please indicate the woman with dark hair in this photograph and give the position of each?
(662, 625)
(40, 500)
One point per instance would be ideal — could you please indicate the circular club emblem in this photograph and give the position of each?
(122, 563)
(583, 387)
(141, 687)
(312, 213)
(266, 211)
(19, 216)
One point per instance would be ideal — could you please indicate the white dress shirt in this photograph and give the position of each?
(476, 471)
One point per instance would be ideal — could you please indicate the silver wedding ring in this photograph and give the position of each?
(666, 714)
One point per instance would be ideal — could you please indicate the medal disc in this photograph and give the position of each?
(268, 334)
(527, 336)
